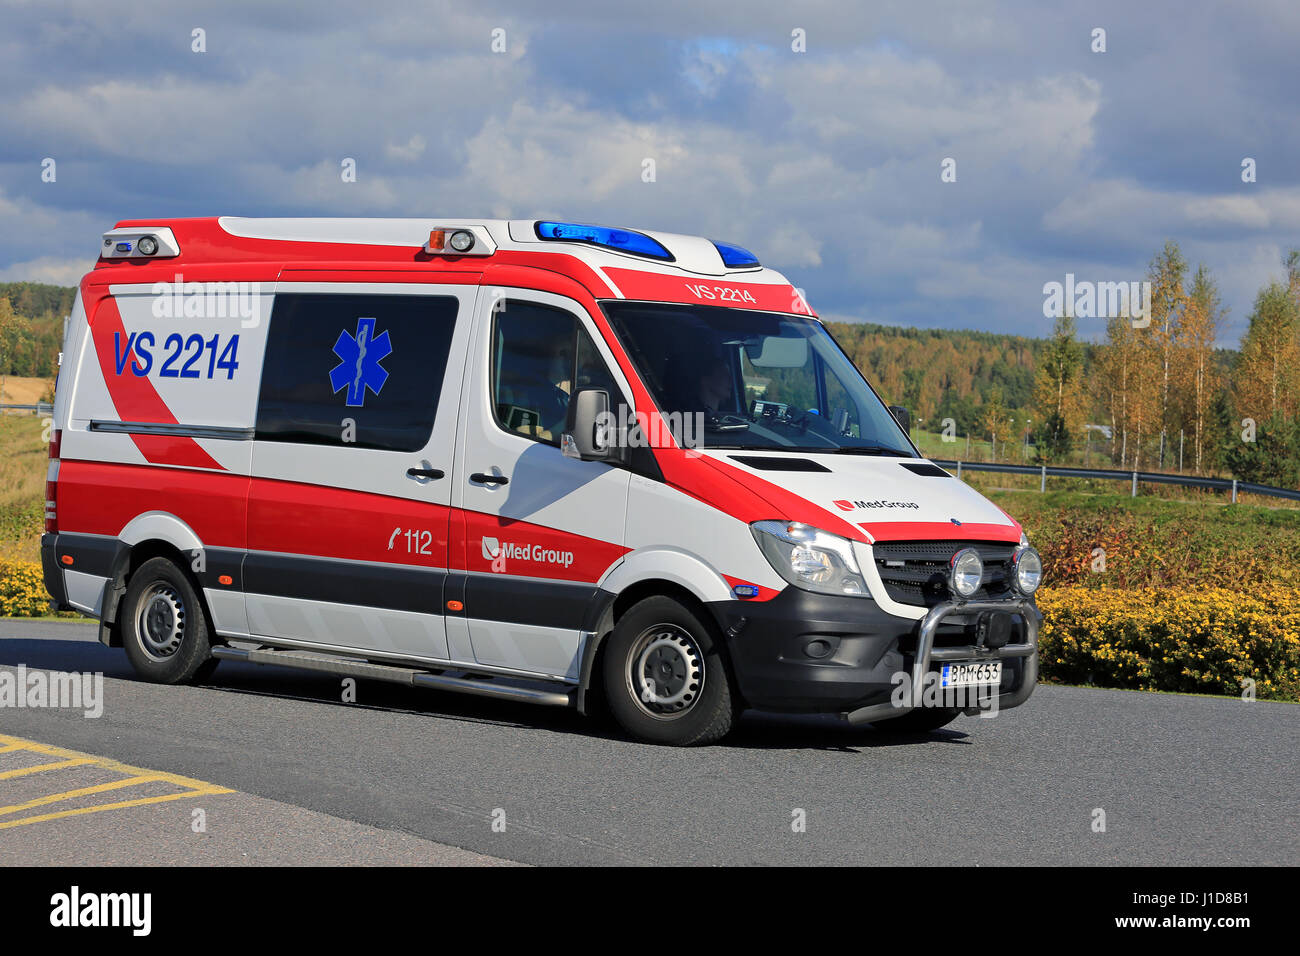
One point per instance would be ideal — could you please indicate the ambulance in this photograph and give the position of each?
(621, 471)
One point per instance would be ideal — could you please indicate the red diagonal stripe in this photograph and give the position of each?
(136, 399)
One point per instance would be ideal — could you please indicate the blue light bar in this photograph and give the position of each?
(620, 240)
(734, 257)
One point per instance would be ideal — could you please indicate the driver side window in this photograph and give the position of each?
(540, 355)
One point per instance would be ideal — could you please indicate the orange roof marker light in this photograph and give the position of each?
(460, 241)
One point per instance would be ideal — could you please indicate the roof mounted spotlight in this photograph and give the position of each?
(146, 242)
(459, 241)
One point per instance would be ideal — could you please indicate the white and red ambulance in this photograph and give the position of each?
(526, 459)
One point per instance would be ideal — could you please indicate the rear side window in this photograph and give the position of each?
(363, 371)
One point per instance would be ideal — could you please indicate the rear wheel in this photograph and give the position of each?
(164, 626)
(665, 677)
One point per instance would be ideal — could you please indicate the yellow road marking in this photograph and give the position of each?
(133, 776)
(104, 762)
(42, 767)
(143, 801)
(74, 794)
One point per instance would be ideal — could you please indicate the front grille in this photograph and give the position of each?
(916, 572)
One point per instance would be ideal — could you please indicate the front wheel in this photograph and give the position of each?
(164, 627)
(665, 677)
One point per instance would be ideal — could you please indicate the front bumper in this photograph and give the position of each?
(863, 652)
(927, 654)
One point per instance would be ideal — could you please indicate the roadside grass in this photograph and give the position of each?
(1167, 693)
(23, 456)
(1196, 542)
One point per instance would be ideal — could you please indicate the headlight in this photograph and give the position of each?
(1027, 570)
(965, 572)
(810, 558)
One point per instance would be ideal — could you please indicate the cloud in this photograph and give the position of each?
(49, 269)
(826, 163)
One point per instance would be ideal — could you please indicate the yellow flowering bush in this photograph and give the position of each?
(1202, 640)
(22, 590)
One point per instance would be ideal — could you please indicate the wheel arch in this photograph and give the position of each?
(154, 534)
(612, 605)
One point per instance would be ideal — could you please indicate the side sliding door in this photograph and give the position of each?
(348, 512)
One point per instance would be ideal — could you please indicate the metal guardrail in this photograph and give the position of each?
(45, 407)
(1135, 477)
(1043, 471)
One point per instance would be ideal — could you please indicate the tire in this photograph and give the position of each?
(919, 721)
(691, 701)
(165, 626)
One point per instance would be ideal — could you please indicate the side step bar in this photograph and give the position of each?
(497, 687)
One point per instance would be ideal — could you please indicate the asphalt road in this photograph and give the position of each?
(1180, 780)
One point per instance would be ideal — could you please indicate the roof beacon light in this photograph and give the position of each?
(735, 257)
(619, 240)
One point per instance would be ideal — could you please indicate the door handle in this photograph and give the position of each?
(434, 473)
(483, 479)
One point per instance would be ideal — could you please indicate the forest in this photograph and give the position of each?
(1156, 394)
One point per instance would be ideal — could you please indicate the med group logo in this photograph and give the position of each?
(360, 369)
(845, 505)
(498, 551)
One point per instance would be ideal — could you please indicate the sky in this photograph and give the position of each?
(824, 161)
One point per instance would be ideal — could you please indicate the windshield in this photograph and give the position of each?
(755, 380)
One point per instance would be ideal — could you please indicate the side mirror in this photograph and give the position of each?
(902, 416)
(588, 429)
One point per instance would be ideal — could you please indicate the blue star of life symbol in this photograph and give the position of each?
(360, 369)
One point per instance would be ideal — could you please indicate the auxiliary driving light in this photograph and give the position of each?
(1027, 571)
(462, 240)
(147, 246)
(965, 573)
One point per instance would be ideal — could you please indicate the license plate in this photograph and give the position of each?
(972, 674)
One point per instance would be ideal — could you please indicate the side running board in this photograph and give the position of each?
(502, 688)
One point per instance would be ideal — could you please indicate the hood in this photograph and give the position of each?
(885, 499)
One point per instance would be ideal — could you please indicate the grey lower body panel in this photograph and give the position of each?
(501, 688)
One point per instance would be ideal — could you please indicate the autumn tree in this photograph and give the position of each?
(1058, 390)
(9, 334)
(1168, 301)
(1266, 380)
(997, 419)
(1195, 375)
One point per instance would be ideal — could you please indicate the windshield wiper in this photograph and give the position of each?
(872, 450)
